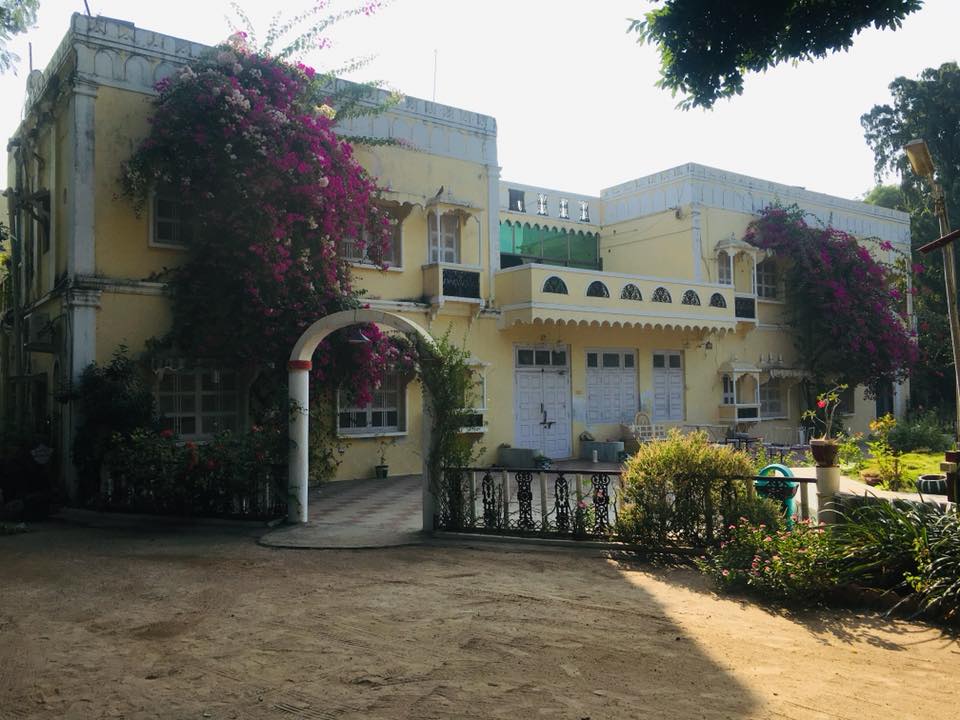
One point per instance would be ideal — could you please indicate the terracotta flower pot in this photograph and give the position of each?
(824, 452)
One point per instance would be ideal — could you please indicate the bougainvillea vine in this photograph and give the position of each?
(241, 144)
(846, 304)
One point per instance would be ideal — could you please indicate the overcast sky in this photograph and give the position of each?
(572, 93)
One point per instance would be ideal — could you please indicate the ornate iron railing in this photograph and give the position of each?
(461, 283)
(580, 504)
(744, 308)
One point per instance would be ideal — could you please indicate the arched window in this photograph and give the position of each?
(597, 289)
(661, 295)
(717, 301)
(631, 292)
(724, 268)
(554, 284)
(690, 298)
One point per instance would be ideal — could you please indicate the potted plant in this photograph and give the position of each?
(825, 447)
(382, 470)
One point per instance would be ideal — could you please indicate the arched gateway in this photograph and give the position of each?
(299, 366)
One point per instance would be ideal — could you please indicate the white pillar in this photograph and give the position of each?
(299, 463)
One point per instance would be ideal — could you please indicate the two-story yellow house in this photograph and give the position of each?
(579, 311)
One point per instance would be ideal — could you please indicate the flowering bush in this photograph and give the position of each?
(846, 308)
(232, 475)
(827, 404)
(792, 564)
(243, 143)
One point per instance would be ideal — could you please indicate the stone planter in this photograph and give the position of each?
(381, 471)
(824, 452)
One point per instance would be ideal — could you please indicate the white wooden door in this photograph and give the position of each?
(556, 407)
(541, 392)
(667, 386)
(527, 394)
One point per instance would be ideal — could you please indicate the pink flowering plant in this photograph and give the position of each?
(845, 304)
(243, 145)
(796, 564)
(826, 408)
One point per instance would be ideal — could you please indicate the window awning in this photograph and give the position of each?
(549, 314)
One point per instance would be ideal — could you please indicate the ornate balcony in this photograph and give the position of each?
(531, 294)
(446, 282)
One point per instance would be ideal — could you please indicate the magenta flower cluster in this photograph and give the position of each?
(847, 305)
(245, 144)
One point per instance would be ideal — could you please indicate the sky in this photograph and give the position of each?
(572, 92)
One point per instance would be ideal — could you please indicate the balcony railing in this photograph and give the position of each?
(451, 282)
(509, 260)
(529, 294)
(461, 283)
(745, 308)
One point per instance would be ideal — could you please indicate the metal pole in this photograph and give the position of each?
(950, 280)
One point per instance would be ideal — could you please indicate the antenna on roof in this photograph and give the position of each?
(434, 74)
(86, 7)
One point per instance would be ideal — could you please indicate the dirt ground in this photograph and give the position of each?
(201, 622)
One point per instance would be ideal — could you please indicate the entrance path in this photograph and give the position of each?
(358, 514)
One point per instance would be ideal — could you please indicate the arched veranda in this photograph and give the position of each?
(299, 367)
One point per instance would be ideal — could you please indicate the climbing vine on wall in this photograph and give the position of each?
(846, 305)
(263, 189)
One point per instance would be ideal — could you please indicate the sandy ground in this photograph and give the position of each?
(203, 623)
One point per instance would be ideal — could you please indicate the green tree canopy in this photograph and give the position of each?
(927, 107)
(706, 46)
(15, 17)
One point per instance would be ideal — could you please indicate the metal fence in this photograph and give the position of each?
(560, 503)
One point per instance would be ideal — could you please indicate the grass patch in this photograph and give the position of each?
(912, 465)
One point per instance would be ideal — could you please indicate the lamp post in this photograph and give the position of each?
(922, 163)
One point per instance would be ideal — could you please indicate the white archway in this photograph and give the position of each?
(299, 367)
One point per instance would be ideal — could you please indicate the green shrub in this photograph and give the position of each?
(681, 490)
(922, 432)
(232, 475)
(776, 564)
(937, 580)
(112, 399)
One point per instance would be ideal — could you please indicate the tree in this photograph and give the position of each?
(706, 46)
(927, 107)
(846, 309)
(15, 17)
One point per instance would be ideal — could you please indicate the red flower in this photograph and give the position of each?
(821, 404)
(166, 434)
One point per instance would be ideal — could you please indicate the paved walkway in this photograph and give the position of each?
(358, 514)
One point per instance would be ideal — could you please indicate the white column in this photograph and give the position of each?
(81, 254)
(493, 227)
(81, 309)
(696, 237)
(299, 462)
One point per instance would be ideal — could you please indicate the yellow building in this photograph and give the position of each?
(579, 311)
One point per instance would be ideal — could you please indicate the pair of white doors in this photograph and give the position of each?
(541, 396)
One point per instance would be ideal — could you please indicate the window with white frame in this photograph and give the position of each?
(767, 279)
(445, 239)
(476, 397)
(384, 414)
(611, 386)
(846, 404)
(564, 208)
(198, 401)
(174, 223)
(388, 255)
(724, 268)
(771, 399)
(729, 396)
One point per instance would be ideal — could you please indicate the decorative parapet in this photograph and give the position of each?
(116, 53)
(694, 183)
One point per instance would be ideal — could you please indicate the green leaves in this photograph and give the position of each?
(706, 47)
